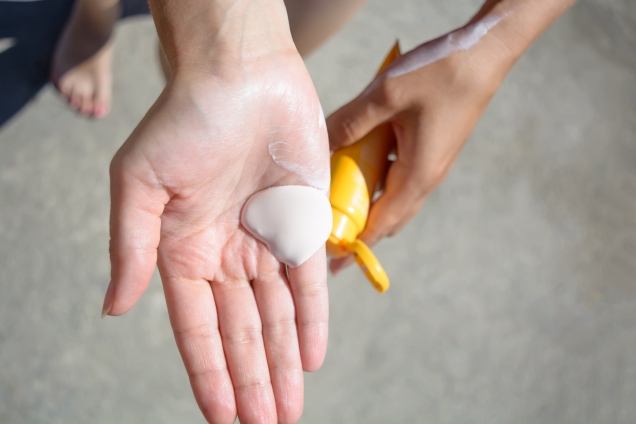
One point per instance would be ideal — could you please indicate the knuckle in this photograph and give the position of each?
(205, 372)
(314, 327)
(387, 94)
(392, 220)
(350, 129)
(433, 177)
(280, 327)
(256, 385)
(393, 232)
(421, 180)
(438, 173)
(395, 229)
(197, 332)
(392, 226)
(312, 290)
(245, 336)
(381, 227)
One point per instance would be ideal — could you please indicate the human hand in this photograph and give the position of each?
(433, 96)
(432, 111)
(245, 328)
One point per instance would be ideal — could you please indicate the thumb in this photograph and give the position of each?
(137, 202)
(357, 118)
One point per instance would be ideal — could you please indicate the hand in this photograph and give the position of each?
(433, 96)
(433, 103)
(245, 329)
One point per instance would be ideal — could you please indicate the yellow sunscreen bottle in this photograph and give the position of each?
(355, 173)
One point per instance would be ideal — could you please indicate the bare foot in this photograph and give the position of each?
(82, 63)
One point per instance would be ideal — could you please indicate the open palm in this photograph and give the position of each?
(245, 326)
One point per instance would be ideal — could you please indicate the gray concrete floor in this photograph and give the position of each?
(514, 290)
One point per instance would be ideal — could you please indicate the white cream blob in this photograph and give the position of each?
(293, 221)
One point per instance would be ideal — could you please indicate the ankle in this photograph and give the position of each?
(96, 17)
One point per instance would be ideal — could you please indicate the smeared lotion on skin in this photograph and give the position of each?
(438, 49)
(311, 162)
(293, 221)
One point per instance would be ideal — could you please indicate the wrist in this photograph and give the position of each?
(475, 59)
(520, 22)
(222, 36)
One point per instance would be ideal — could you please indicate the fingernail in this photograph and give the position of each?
(108, 299)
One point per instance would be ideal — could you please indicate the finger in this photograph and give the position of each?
(309, 288)
(391, 208)
(276, 308)
(388, 214)
(336, 265)
(397, 204)
(357, 118)
(242, 336)
(407, 217)
(399, 191)
(371, 237)
(193, 317)
(137, 202)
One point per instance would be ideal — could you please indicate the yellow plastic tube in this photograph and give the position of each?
(356, 171)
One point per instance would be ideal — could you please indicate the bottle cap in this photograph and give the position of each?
(370, 265)
(343, 233)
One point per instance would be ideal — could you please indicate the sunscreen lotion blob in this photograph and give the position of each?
(293, 221)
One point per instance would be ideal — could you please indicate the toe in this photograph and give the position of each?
(86, 107)
(99, 111)
(65, 88)
(102, 101)
(74, 99)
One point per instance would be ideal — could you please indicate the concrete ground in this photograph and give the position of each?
(514, 290)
